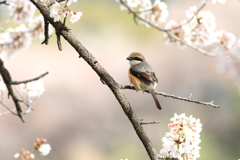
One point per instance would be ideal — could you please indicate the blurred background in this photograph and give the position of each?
(79, 115)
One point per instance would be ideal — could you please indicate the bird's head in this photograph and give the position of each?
(135, 58)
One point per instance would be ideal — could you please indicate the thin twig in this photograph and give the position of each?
(29, 80)
(175, 97)
(46, 32)
(59, 40)
(10, 110)
(153, 122)
(188, 21)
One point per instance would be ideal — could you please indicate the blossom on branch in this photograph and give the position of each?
(24, 155)
(155, 14)
(213, 1)
(132, 3)
(75, 16)
(21, 10)
(69, 2)
(183, 139)
(15, 40)
(32, 89)
(42, 146)
(174, 29)
(227, 39)
(200, 30)
(58, 11)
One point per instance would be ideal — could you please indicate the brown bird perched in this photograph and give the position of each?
(141, 75)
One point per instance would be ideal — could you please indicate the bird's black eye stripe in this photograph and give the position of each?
(137, 59)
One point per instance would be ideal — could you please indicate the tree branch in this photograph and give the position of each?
(103, 74)
(29, 80)
(4, 2)
(175, 97)
(8, 82)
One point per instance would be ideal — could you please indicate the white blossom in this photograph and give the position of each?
(15, 40)
(177, 31)
(54, 12)
(69, 2)
(33, 89)
(227, 39)
(200, 30)
(21, 10)
(56, 6)
(55, 15)
(130, 3)
(156, 15)
(45, 149)
(75, 16)
(183, 139)
(213, 1)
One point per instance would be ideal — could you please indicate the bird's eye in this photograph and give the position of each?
(137, 59)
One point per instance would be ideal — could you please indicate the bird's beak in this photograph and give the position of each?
(129, 58)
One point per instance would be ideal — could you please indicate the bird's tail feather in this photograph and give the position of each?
(155, 99)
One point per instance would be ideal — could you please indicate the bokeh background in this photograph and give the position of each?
(79, 115)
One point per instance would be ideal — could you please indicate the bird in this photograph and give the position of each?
(141, 75)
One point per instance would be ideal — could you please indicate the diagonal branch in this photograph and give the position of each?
(103, 74)
(175, 97)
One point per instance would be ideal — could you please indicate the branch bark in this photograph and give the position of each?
(8, 82)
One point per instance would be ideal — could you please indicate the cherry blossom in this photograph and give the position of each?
(171, 26)
(21, 10)
(58, 11)
(42, 146)
(227, 39)
(213, 1)
(183, 139)
(24, 155)
(15, 40)
(69, 2)
(200, 30)
(33, 89)
(156, 15)
(75, 16)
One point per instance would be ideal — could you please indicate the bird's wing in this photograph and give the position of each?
(144, 72)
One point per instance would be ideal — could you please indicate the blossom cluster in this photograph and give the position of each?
(32, 89)
(182, 140)
(21, 10)
(58, 11)
(14, 40)
(155, 13)
(40, 145)
(24, 155)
